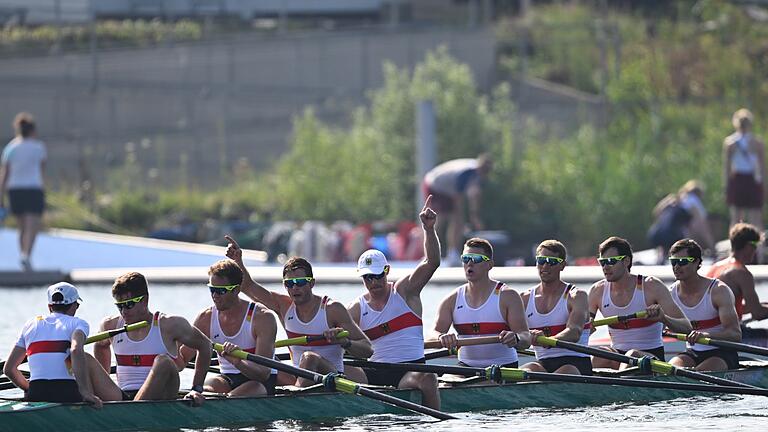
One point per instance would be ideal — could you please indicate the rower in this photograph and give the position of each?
(732, 271)
(623, 293)
(148, 362)
(60, 369)
(709, 304)
(304, 313)
(559, 310)
(483, 307)
(390, 315)
(237, 324)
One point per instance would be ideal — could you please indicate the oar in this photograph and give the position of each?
(734, 346)
(657, 366)
(619, 318)
(304, 340)
(110, 333)
(481, 340)
(95, 338)
(333, 381)
(499, 374)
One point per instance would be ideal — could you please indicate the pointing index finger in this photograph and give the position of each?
(231, 240)
(428, 202)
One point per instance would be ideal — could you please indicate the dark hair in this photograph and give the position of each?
(227, 269)
(480, 243)
(297, 263)
(690, 245)
(133, 283)
(553, 245)
(742, 234)
(24, 124)
(59, 307)
(621, 245)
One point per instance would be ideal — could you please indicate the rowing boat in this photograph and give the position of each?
(314, 405)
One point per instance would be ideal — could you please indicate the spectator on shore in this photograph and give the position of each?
(743, 165)
(678, 216)
(21, 176)
(451, 184)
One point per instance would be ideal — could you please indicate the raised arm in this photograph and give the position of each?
(663, 309)
(411, 285)
(357, 343)
(272, 300)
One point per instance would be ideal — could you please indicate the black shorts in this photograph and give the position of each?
(657, 352)
(58, 390)
(129, 395)
(583, 364)
(387, 377)
(26, 201)
(238, 379)
(731, 357)
(512, 365)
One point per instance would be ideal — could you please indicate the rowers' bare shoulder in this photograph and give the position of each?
(509, 296)
(264, 319)
(203, 320)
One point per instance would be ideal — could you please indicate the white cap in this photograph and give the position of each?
(371, 261)
(67, 290)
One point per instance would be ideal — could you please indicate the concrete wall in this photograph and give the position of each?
(198, 108)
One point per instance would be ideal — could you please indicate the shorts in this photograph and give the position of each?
(731, 358)
(657, 352)
(387, 377)
(441, 203)
(583, 364)
(57, 390)
(26, 201)
(743, 191)
(129, 395)
(238, 379)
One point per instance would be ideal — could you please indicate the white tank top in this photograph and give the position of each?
(703, 316)
(294, 327)
(743, 160)
(634, 334)
(396, 332)
(47, 343)
(552, 323)
(243, 338)
(486, 320)
(135, 358)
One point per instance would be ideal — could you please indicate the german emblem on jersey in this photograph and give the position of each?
(136, 360)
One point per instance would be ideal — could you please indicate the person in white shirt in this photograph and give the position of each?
(21, 176)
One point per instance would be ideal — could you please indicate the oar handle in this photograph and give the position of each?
(684, 337)
(733, 346)
(303, 340)
(619, 318)
(110, 333)
(481, 340)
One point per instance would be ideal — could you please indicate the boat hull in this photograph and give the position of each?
(149, 415)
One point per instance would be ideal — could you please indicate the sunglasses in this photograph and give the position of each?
(755, 243)
(541, 260)
(681, 261)
(128, 304)
(475, 258)
(299, 282)
(610, 260)
(372, 277)
(222, 289)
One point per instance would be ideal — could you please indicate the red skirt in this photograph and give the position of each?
(743, 191)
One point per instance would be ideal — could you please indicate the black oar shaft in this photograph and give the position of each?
(735, 346)
(656, 365)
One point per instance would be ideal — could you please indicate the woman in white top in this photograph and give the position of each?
(21, 175)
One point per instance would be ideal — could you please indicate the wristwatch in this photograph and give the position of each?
(198, 388)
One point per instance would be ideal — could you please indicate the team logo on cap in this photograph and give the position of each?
(368, 261)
